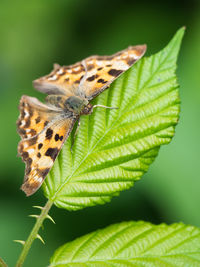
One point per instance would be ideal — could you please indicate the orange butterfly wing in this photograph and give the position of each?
(91, 76)
(103, 70)
(39, 148)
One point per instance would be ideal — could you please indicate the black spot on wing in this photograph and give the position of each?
(44, 172)
(40, 145)
(101, 81)
(29, 161)
(28, 170)
(90, 67)
(28, 122)
(131, 61)
(114, 72)
(32, 141)
(78, 80)
(37, 120)
(38, 155)
(30, 111)
(91, 78)
(52, 152)
(46, 122)
(33, 132)
(25, 155)
(49, 133)
(57, 137)
(22, 113)
(21, 131)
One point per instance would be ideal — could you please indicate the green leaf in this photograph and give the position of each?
(133, 244)
(114, 148)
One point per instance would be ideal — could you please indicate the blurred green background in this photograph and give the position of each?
(35, 34)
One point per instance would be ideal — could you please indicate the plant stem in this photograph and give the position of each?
(33, 234)
(2, 263)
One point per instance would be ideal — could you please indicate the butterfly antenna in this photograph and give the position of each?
(85, 75)
(101, 106)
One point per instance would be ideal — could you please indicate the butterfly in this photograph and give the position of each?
(45, 127)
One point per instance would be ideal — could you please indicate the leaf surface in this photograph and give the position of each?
(114, 148)
(133, 244)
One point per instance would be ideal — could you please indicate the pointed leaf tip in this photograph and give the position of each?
(175, 42)
(114, 148)
(180, 33)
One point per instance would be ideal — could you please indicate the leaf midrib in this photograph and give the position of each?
(89, 152)
(126, 143)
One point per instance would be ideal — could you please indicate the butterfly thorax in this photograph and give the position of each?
(75, 104)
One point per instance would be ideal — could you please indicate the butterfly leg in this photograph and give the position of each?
(102, 106)
(76, 131)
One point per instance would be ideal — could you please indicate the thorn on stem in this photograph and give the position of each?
(50, 218)
(40, 238)
(38, 207)
(102, 106)
(33, 216)
(19, 241)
